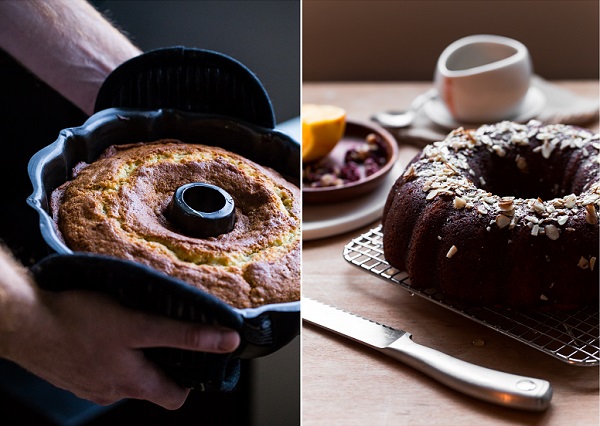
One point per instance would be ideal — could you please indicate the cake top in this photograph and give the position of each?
(448, 168)
(119, 206)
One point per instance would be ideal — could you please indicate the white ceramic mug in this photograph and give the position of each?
(483, 78)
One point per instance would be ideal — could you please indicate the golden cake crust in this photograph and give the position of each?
(117, 206)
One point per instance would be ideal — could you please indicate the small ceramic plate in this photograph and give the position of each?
(355, 134)
(327, 220)
(532, 105)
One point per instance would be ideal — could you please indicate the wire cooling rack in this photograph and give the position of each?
(572, 337)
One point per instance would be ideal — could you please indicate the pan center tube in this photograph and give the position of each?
(202, 210)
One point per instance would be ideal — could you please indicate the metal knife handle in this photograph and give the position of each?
(483, 383)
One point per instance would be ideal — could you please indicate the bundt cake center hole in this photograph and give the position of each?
(204, 199)
(525, 190)
(201, 210)
(504, 177)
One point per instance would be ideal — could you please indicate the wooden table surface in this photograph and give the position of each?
(344, 383)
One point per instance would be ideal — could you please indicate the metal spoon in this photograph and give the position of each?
(397, 120)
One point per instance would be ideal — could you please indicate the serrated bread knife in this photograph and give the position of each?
(494, 386)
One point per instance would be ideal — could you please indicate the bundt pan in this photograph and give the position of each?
(159, 79)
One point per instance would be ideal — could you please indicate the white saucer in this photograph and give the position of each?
(532, 105)
(326, 220)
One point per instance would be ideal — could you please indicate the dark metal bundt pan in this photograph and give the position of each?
(264, 330)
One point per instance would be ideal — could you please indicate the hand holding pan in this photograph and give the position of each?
(187, 94)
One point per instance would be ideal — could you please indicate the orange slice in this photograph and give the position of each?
(322, 128)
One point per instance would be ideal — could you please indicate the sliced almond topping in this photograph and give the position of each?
(543, 136)
(502, 221)
(452, 168)
(538, 206)
(505, 205)
(520, 138)
(482, 209)
(543, 297)
(410, 173)
(500, 152)
(590, 198)
(432, 194)
(590, 214)
(535, 229)
(570, 201)
(566, 143)
(547, 149)
(592, 263)
(451, 252)
(459, 203)
(551, 232)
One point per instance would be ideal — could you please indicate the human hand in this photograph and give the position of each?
(92, 346)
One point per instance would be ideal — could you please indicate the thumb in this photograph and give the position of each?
(154, 331)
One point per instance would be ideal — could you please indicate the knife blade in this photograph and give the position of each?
(486, 384)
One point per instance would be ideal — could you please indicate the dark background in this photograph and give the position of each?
(263, 35)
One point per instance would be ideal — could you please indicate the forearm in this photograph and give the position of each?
(18, 296)
(66, 43)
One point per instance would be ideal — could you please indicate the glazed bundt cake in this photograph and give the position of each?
(504, 215)
(118, 206)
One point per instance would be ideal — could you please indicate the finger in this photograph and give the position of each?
(159, 389)
(162, 332)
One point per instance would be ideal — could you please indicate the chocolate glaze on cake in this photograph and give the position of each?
(118, 206)
(505, 215)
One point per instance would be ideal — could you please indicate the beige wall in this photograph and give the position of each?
(351, 40)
